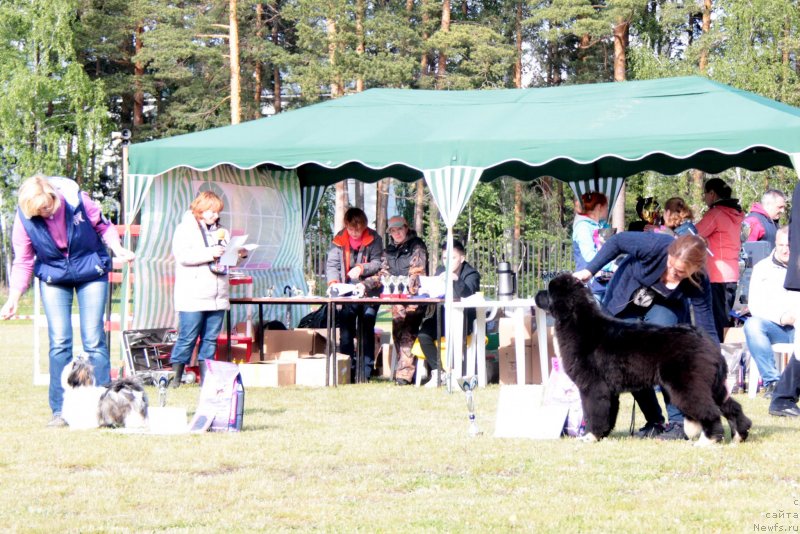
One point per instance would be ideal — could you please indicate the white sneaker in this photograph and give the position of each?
(434, 380)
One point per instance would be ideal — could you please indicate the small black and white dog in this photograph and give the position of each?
(121, 403)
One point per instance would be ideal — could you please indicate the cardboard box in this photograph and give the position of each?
(305, 341)
(735, 335)
(311, 370)
(507, 356)
(270, 374)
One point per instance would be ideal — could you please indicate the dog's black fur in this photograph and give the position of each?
(606, 356)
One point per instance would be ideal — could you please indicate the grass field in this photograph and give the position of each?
(376, 458)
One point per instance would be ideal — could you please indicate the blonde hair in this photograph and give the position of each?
(679, 212)
(36, 193)
(692, 250)
(205, 201)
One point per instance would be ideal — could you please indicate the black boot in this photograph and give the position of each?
(203, 369)
(177, 368)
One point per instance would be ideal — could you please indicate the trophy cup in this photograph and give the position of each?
(467, 385)
(385, 286)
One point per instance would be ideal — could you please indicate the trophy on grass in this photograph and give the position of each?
(467, 385)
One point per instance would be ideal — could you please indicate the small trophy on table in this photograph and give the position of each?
(467, 385)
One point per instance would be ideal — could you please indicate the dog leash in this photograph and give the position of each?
(633, 419)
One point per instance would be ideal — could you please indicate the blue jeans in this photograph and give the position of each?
(57, 302)
(203, 324)
(659, 315)
(760, 335)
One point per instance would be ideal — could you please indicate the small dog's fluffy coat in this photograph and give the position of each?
(605, 356)
(122, 403)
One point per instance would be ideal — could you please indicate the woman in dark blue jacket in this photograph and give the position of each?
(656, 283)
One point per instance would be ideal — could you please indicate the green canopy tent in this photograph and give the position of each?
(579, 134)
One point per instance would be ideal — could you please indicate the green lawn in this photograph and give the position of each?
(375, 457)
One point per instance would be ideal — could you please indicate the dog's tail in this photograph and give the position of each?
(740, 424)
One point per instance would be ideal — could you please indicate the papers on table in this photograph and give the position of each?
(341, 290)
(432, 286)
(231, 255)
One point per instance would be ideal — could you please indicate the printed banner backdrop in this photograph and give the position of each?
(264, 205)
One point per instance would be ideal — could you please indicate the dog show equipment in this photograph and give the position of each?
(467, 385)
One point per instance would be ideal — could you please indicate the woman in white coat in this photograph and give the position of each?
(201, 285)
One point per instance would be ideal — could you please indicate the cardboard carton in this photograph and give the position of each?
(735, 335)
(305, 341)
(507, 356)
(311, 370)
(270, 374)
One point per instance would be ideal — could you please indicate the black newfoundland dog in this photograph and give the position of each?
(606, 356)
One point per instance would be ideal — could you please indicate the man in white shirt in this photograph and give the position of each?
(772, 309)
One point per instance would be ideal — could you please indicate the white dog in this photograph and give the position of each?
(122, 403)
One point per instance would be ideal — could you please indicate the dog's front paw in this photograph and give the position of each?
(705, 442)
(588, 438)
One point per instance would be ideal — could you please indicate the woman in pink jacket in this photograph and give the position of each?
(721, 226)
(60, 236)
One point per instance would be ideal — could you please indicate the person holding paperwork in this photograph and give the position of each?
(201, 282)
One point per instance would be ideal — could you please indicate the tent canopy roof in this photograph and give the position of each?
(573, 133)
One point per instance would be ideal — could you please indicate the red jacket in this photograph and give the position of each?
(722, 226)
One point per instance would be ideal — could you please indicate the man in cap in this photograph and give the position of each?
(405, 256)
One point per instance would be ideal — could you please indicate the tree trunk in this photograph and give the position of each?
(233, 40)
(425, 61)
(518, 58)
(277, 101)
(620, 74)
(703, 63)
(358, 201)
(360, 11)
(620, 50)
(340, 205)
(518, 214)
(441, 68)
(381, 205)
(138, 74)
(336, 89)
(419, 207)
(433, 238)
(258, 68)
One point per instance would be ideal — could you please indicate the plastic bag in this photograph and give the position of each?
(561, 390)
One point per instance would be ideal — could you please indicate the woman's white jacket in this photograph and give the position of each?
(196, 287)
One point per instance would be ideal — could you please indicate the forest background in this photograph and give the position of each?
(75, 73)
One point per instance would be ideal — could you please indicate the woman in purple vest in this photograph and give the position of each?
(60, 236)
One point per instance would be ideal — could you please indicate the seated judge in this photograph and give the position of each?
(466, 281)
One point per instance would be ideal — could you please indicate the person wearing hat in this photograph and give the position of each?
(407, 255)
(355, 257)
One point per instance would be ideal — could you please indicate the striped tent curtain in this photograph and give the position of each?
(311, 196)
(265, 205)
(610, 187)
(451, 188)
